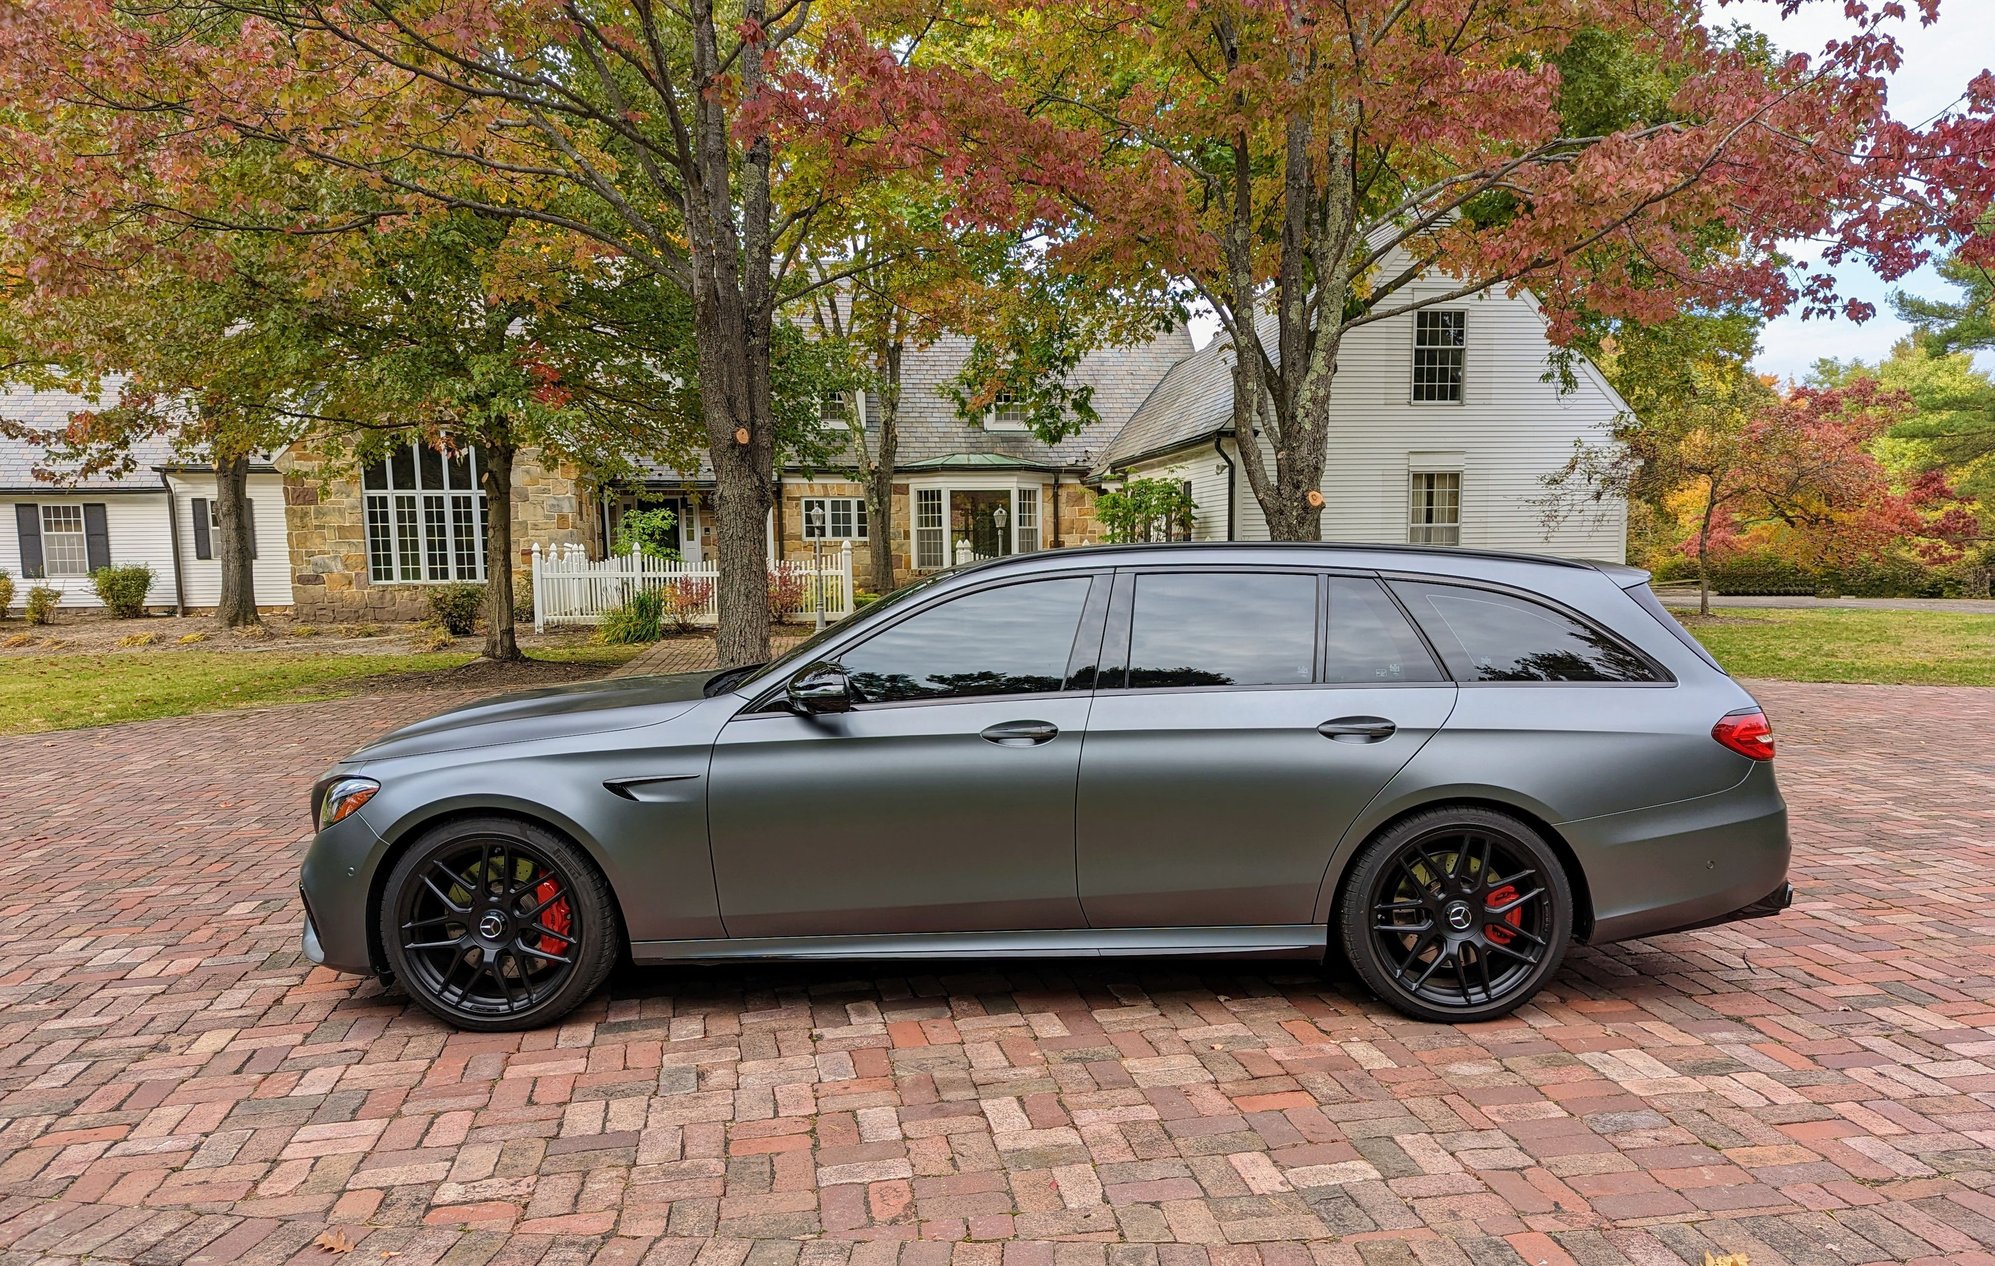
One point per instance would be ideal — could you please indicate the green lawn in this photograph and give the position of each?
(1930, 648)
(63, 692)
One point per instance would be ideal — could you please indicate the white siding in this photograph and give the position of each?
(136, 524)
(203, 576)
(1511, 430)
(1203, 469)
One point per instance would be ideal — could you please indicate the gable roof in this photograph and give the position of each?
(934, 436)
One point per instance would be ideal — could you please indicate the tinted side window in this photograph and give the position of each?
(1222, 629)
(1487, 636)
(1370, 640)
(1006, 641)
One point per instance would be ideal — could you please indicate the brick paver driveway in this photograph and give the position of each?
(177, 1085)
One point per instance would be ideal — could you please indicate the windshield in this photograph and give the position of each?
(804, 651)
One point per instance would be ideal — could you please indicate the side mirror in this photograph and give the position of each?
(820, 687)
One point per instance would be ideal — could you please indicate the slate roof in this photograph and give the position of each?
(932, 436)
(49, 411)
(1193, 402)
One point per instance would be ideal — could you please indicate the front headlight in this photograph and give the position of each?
(342, 796)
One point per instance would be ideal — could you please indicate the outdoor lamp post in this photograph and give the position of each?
(1000, 517)
(815, 517)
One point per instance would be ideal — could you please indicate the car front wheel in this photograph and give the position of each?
(1457, 914)
(496, 924)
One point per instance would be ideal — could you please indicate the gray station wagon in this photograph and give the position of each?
(1444, 766)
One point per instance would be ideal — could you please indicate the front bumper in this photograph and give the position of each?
(334, 886)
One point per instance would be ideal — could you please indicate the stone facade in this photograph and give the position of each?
(326, 522)
(1077, 524)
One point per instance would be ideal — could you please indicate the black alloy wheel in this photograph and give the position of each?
(495, 924)
(1457, 914)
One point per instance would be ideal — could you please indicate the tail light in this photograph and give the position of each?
(1745, 732)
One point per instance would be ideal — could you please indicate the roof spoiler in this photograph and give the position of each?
(1624, 576)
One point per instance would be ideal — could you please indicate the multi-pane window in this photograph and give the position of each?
(1025, 530)
(425, 516)
(930, 540)
(1435, 500)
(65, 552)
(837, 409)
(834, 518)
(1008, 413)
(1439, 336)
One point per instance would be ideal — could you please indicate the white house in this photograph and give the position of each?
(1444, 423)
(55, 532)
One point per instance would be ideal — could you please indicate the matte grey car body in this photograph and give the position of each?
(1103, 808)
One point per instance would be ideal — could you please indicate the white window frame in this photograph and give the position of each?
(852, 405)
(1422, 501)
(855, 518)
(994, 419)
(934, 544)
(409, 519)
(1460, 350)
(51, 533)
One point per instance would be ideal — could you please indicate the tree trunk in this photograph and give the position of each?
(237, 606)
(495, 476)
(1704, 559)
(879, 478)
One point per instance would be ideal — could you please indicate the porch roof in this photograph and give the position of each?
(976, 461)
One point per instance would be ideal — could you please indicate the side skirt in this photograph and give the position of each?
(1300, 940)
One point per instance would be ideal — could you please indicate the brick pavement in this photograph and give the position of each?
(176, 1085)
(692, 653)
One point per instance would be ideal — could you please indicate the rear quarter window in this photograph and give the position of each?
(1486, 635)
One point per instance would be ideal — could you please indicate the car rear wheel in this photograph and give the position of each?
(495, 924)
(1456, 915)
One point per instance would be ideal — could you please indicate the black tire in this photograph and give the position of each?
(495, 924)
(1456, 914)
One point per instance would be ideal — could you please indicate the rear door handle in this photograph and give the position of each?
(1362, 729)
(1021, 733)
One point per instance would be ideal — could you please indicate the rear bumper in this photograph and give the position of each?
(1713, 859)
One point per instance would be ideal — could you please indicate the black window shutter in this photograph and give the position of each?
(29, 520)
(204, 545)
(249, 521)
(96, 535)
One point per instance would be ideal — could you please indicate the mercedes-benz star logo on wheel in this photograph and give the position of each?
(491, 925)
(1459, 917)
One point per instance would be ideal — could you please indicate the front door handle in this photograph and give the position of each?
(1362, 729)
(1021, 733)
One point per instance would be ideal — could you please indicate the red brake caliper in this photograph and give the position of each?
(555, 918)
(1495, 931)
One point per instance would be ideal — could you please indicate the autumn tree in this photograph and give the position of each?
(1298, 168)
(645, 129)
(206, 348)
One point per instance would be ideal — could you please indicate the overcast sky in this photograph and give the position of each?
(1939, 60)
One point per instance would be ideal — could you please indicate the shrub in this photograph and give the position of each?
(359, 630)
(123, 589)
(41, 605)
(640, 619)
(19, 639)
(138, 639)
(686, 600)
(457, 606)
(258, 632)
(188, 639)
(431, 635)
(861, 598)
(786, 595)
(6, 591)
(653, 533)
(522, 597)
(304, 630)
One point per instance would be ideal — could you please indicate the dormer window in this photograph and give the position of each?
(1007, 413)
(837, 409)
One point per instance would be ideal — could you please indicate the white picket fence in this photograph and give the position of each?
(571, 588)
